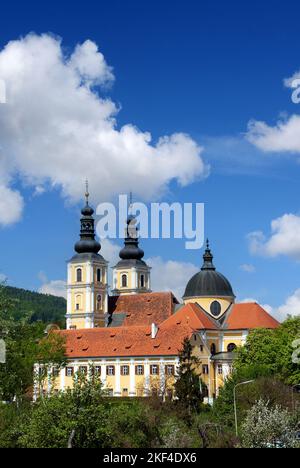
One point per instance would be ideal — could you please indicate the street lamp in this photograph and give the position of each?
(234, 402)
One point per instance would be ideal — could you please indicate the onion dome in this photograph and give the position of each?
(131, 250)
(208, 282)
(87, 242)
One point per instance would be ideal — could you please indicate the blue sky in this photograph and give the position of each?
(200, 68)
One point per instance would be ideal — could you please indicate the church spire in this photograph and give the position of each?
(208, 259)
(131, 249)
(87, 242)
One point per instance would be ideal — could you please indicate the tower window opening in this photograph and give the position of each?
(98, 275)
(213, 349)
(79, 275)
(99, 302)
(142, 281)
(124, 281)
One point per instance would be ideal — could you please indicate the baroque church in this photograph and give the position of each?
(131, 339)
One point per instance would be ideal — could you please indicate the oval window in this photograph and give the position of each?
(215, 308)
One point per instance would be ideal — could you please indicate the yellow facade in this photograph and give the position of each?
(87, 293)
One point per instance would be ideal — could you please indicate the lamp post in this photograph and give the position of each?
(234, 402)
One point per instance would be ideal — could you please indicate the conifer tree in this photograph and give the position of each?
(188, 387)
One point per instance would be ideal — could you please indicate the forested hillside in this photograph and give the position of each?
(42, 307)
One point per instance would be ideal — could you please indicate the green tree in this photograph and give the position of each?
(25, 345)
(273, 350)
(188, 386)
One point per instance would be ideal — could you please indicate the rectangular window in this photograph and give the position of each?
(124, 370)
(170, 370)
(154, 369)
(97, 370)
(220, 369)
(110, 370)
(205, 369)
(201, 348)
(125, 392)
(139, 370)
(55, 372)
(69, 371)
(83, 370)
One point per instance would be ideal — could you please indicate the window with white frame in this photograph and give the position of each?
(220, 369)
(124, 370)
(139, 370)
(110, 370)
(154, 369)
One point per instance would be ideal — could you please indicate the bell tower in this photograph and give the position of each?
(87, 288)
(131, 275)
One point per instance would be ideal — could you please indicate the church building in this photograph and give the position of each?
(131, 338)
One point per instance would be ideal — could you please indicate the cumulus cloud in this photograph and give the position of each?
(247, 268)
(290, 307)
(11, 206)
(59, 127)
(55, 288)
(285, 135)
(170, 275)
(284, 238)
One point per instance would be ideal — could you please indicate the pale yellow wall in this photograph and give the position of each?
(205, 303)
(129, 279)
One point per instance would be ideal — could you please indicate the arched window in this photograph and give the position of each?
(98, 275)
(79, 275)
(231, 347)
(124, 281)
(213, 349)
(142, 281)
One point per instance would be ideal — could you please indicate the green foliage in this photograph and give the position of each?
(36, 306)
(268, 427)
(273, 350)
(85, 418)
(23, 349)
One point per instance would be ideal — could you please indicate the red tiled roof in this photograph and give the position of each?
(193, 316)
(249, 316)
(124, 341)
(143, 309)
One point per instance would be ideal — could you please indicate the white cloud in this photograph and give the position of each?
(284, 238)
(284, 137)
(56, 130)
(11, 206)
(247, 268)
(290, 307)
(55, 288)
(170, 275)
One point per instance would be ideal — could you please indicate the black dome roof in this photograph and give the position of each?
(208, 282)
